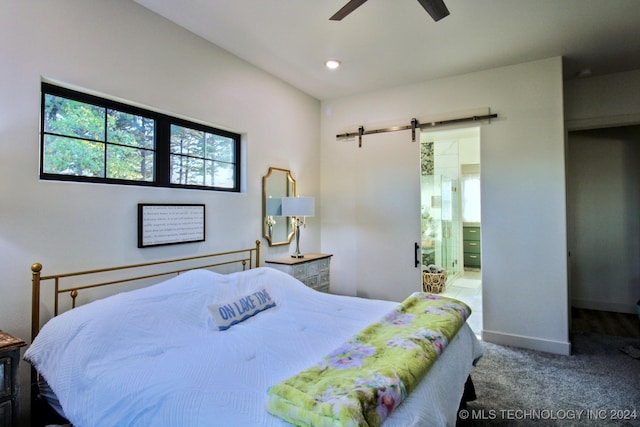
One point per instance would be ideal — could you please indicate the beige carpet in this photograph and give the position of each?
(596, 386)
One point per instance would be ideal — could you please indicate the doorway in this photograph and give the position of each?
(450, 213)
(603, 207)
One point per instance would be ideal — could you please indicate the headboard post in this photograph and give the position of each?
(257, 253)
(35, 299)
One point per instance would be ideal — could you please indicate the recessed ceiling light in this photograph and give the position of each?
(332, 64)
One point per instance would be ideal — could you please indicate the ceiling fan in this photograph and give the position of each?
(436, 8)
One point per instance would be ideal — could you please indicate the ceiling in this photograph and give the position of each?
(386, 43)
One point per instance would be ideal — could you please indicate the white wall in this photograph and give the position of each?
(120, 49)
(523, 192)
(602, 101)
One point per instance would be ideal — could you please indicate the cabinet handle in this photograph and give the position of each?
(472, 231)
(416, 248)
(472, 244)
(472, 256)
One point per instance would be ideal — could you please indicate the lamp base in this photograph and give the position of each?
(297, 253)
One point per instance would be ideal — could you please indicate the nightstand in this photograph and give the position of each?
(9, 388)
(312, 270)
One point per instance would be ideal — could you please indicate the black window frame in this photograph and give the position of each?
(162, 141)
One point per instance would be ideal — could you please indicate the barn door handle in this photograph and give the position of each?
(417, 249)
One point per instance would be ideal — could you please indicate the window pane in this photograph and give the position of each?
(187, 141)
(130, 129)
(73, 118)
(70, 156)
(129, 163)
(220, 148)
(471, 197)
(220, 174)
(187, 170)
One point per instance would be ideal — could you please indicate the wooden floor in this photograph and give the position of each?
(605, 323)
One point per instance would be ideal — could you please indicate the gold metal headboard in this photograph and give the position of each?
(250, 256)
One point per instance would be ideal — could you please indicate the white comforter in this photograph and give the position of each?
(152, 357)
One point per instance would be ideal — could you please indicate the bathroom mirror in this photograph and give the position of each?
(276, 184)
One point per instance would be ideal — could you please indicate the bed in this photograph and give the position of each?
(165, 355)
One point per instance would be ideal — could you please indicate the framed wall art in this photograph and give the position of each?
(169, 224)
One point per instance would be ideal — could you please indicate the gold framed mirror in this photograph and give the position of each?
(276, 184)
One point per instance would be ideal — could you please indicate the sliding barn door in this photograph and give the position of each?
(388, 216)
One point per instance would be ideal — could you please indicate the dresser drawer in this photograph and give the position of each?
(299, 271)
(323, 288)
(471, 260)
(313, 268)
(6, 387)
(324, 278)
(311, 281)
(472, 246)
(471, 233)
(323, 264)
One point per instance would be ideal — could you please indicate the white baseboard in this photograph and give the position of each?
(604, 306)
(548, 346)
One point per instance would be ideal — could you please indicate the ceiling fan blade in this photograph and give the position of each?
(436, 8)
(347, 9)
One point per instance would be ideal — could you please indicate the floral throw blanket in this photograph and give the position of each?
(364, 380)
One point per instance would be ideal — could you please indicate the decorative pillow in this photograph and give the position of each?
(240, 309)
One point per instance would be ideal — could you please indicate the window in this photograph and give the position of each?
(471, 197)
(92, 139)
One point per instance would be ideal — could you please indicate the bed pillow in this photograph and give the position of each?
(240, 309)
